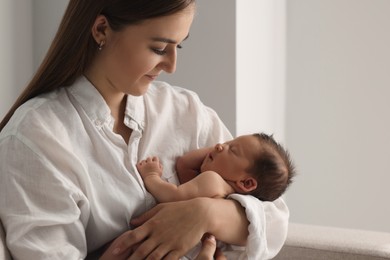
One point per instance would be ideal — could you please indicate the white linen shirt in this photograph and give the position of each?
(69, 184)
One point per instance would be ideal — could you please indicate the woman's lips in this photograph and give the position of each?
(151, 77)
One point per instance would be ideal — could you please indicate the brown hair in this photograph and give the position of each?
(73, 47)
(273, 169)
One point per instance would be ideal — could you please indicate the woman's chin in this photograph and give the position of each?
(139, 90)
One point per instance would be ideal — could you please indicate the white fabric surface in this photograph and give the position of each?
(68, 183)
(4, 254)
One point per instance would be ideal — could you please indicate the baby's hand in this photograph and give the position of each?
(150, 166)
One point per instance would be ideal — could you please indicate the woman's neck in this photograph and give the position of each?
(115, 100)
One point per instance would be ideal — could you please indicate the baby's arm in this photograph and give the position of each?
(150, 170)
(208, 184)
(150, 167)
(188, 165)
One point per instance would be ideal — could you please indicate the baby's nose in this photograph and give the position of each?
(219, 147)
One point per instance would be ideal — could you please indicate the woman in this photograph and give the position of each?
(79, 128)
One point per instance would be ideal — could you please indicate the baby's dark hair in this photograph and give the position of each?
(273, 169)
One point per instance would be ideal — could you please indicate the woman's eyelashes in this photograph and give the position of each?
(163, 51)
(159, 51)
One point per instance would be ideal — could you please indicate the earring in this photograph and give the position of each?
(101, 45)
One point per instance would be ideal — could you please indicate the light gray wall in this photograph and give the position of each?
(15, 50)
(207, 63)
(28, 27)
(47, 15)
(338, 124)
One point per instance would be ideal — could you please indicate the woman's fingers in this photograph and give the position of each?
(209, 245)
(122, 247)
(144, 250)
(207, 252)
(171, 229)
(126, 242)
(138, 221)
(160, 252)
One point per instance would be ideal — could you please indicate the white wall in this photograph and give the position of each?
(338, 124)
(260, 67)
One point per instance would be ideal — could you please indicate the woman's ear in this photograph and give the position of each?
(100, 29)
(247, 185)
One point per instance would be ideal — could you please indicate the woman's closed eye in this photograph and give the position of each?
(163, 51)
(159, 51)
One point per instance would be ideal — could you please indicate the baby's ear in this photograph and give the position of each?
(247, 185)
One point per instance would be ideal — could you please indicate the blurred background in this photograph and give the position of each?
(315, 73)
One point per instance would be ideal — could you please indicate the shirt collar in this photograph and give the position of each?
(91, 101)
(97, 109)
(135, 110)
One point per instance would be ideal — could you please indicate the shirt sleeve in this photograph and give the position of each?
(213, 129)
(39, 210)
(268, 224)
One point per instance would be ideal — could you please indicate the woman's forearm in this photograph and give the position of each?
(228, 221)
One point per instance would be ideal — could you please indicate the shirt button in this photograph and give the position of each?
(98, 122)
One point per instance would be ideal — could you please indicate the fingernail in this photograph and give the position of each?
(211, 238)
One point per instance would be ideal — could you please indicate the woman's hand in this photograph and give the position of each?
(168, 231)
(209, 251)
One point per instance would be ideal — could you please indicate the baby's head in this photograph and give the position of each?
(273, 169)
(252, 164)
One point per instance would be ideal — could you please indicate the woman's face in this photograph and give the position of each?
(133, 57)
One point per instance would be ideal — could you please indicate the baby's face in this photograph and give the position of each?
(232, 159)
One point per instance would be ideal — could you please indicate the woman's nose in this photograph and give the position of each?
(169, 64)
